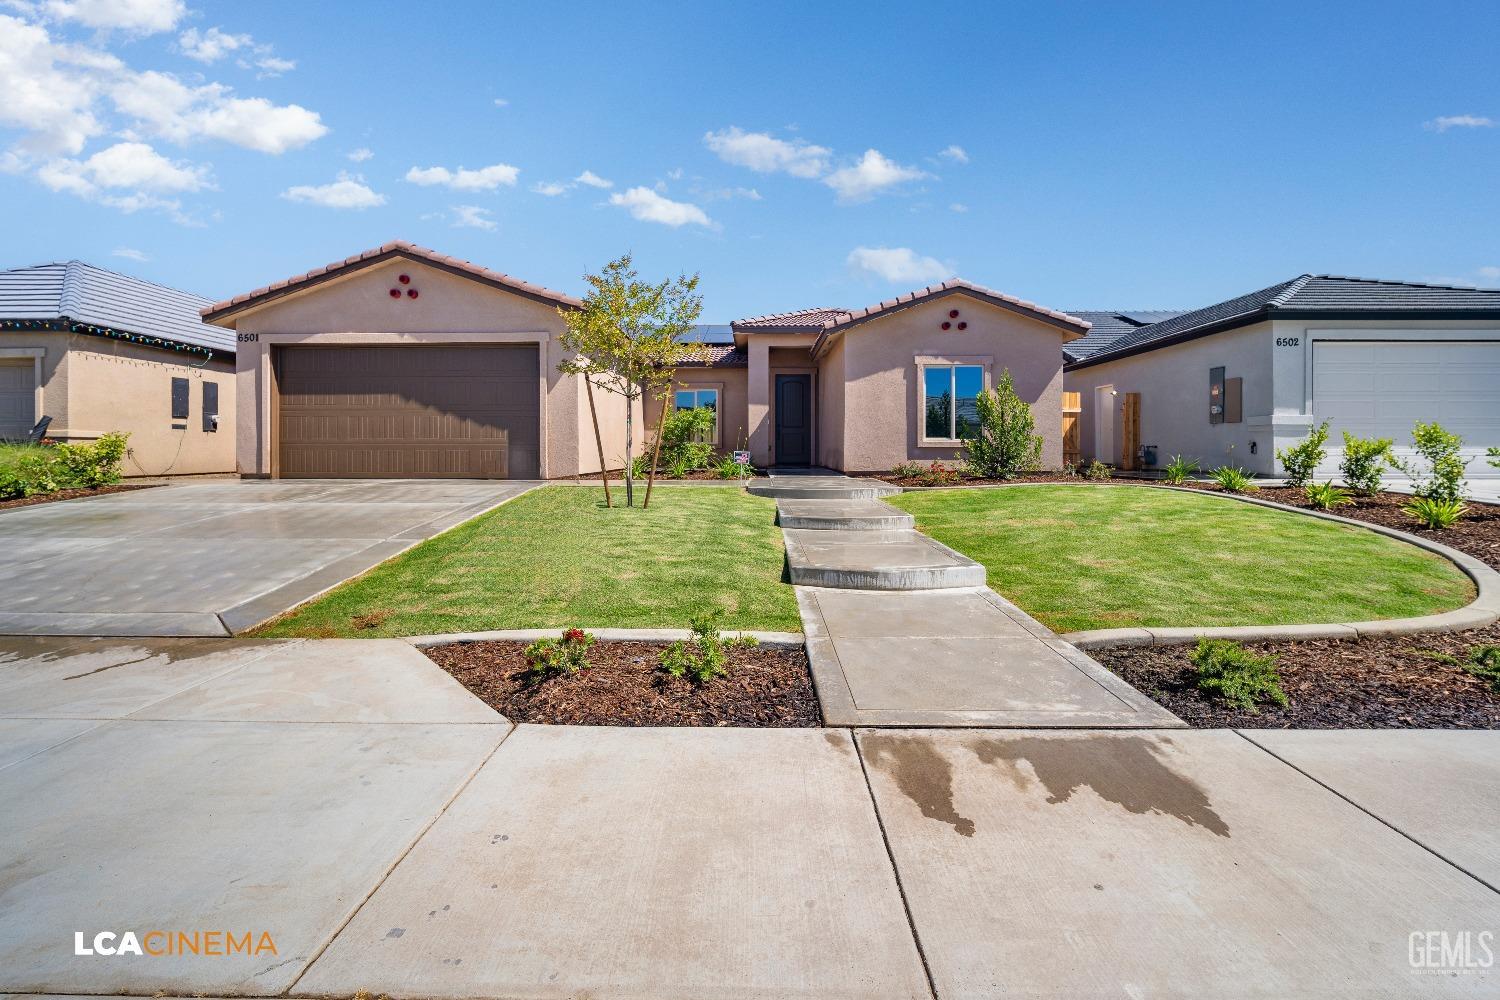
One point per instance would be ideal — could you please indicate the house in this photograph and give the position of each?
(98, 351)
(1235, 381)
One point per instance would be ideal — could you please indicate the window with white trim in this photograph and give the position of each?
(699, 399)
(950, 401)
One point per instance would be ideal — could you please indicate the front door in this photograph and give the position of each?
(793, 419)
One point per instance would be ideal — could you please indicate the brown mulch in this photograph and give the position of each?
(767, 687)
(77, 494)
(1379, 682)
(1025, 477)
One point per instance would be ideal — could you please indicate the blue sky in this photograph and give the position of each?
(1083, 156)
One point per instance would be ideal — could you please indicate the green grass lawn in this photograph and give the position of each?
(1080, 557)
(556, 557)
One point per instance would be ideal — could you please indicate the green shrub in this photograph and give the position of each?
(1006, 443)
(567, 655)
(1301, 460)
(686, 444)
(1435, 514)
(1493, 456)
(92, 465)
(1097, 471)
(725, 467)
(705, 656)
(1484, 663)
(29, 471)
(1326, 496)
(906, 470)
(1229, 671)
(1178, 470)
(1233, 479)
(938, 474)
(1443, 476)
(1364, 463)
(1070, 470)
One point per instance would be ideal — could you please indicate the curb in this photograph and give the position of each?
(602, 634)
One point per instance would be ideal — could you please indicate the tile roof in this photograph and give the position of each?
(88, 294)
(1306, 296)
(1108, 327)
(396, 248)
(797, 321)
(718, 356)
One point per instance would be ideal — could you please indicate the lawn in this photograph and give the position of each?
(1081, 557)
(556, 558)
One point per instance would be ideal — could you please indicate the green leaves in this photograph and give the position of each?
(1302, 459)
(1231, 672)
(1435, 514)
(1365, 462)
(1326, 496)
(1233, 479)
(1178, 470)
(706, 655)
(1006, 443)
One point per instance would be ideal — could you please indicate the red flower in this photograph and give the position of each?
(574, 635)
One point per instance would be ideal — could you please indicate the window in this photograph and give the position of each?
(951, 400)
(696, 399)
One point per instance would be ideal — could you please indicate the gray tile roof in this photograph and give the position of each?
(1109, 325)
(1305, 296)
(88, 294)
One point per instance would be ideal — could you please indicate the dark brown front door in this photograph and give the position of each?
(793, 419)
(442, 411)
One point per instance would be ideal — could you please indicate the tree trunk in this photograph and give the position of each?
(656, 452)
(629, 436)
(598, 440)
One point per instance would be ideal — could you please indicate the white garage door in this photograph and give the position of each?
(17, 396)
(1382, 388)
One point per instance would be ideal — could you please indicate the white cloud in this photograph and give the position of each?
(349, 191)
(130, 253)
(144, 16)
(127, 166)
(726, 193)
(501, 102)
(49, 88)
(870, 176)
(483, 179)
(164, 106)
(764, 153)
(593, 180)
(898, 265)
(959, 207)
(273, 65)
(211, 45)
(648, 206)
(550, 189)
(956, 154)
(1444, 122)
(472, 217)
(360, 155)
(675, 174)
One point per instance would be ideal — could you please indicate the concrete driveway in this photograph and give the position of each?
(212, 558)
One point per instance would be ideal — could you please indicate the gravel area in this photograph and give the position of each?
(767, 686)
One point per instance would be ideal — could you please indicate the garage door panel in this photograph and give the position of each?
(440, 411)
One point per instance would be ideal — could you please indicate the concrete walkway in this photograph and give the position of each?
(902, 631)
(215, 557)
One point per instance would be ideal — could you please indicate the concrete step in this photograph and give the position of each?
(847, 515)
(822, 488)
(876, 560)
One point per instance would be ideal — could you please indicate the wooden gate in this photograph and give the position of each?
(1130, 430)
(1072, 411)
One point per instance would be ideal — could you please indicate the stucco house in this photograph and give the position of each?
(1233, 382)
(97, 351)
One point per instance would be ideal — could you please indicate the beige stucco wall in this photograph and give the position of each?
(879, 416)
(27, 347)
(1174, 383)
(733, 401)
(450, 309)
(830, 405)
(93, 385)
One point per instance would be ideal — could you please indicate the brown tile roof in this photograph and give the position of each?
(718, 356)
(950, 287)
(796, 321)
(396, 248)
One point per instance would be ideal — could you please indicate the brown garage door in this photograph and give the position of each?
(444, 411)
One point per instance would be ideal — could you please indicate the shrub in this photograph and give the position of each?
(1326, 496)
(1179, 469)
(1435, 514)
(1492, 455)
(566, 655)
(1229, 671)
(1364, 463)
(28, 472)
(938, 474)
(1444, 474)
(92, 465)
(1233, 479)
(906, 470)
(1484, 662)
(1006, 443)
(725, 467)
(1097, 471)
(685, 444)
(1301, 460)
(1070, 470)
(705, 656)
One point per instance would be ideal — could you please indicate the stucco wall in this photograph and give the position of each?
(1174, 383)
(24, 347)
(733, 401)
(358, 309)
(831, 406)
(881, 408)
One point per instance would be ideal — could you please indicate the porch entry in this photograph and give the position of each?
(793, 419)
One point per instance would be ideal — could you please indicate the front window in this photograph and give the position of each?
(951, 400)
(700, 399)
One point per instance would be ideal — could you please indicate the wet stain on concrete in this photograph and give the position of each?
(168, 652)
(1125, 770)
(922, 774)
(838, 741)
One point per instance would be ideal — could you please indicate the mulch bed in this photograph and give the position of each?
(77, 494)
(1379, 682)
(767, 687)
(1025, 477)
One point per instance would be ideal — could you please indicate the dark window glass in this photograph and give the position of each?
(968, 383)
(938, 389)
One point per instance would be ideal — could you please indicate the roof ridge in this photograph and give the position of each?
(1405, 284)
(1292, 288)
(70, 300)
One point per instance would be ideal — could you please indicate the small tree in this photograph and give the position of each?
(1005, 444)
(628, 338)
(1441, 450)
(1301, 460)
(1364, 464)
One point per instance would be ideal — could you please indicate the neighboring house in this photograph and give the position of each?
(1233, 382)
(99, 351)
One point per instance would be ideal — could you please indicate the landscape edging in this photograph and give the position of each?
(1483, 610)
(778, 639)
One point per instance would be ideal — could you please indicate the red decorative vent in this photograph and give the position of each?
(946, 324)
(953, 314)
(405, 279)
(395, 293)
(411, 293)
(963, 326)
